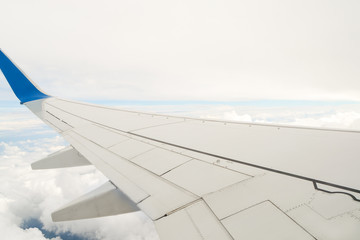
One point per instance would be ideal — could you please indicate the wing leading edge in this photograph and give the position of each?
(202, 179)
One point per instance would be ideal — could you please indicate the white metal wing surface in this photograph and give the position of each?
(203, 179)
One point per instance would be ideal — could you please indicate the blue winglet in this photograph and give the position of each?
(23, 87)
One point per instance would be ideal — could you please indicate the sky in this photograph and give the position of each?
(186, 50)
(288, 62)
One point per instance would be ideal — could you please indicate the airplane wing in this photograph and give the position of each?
(204, 179)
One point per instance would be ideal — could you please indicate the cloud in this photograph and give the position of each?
(18, 198)
(27, 195)
(10, 125)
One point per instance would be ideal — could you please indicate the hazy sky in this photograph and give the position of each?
(186, 50)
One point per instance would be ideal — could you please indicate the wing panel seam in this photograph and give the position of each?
(229, 159)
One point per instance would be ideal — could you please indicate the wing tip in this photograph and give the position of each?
(22, 86)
